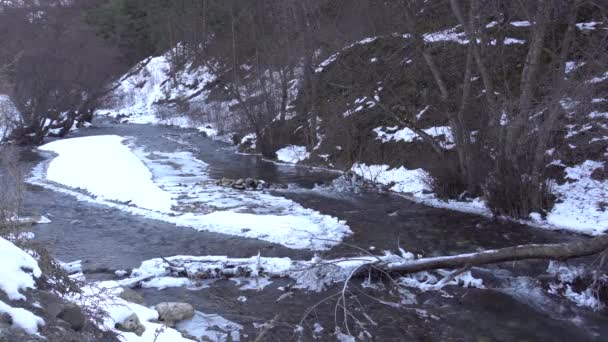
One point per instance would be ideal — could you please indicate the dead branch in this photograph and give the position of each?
(558, 251)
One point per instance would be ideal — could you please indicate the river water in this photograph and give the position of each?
(513, 308)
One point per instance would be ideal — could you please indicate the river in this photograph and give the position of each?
(512, 308)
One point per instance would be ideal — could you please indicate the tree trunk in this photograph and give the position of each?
(558, 251)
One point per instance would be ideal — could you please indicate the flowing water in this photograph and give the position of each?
(513, 308)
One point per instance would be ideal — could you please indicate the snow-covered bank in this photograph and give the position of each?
(106, 168)
(175, 187)
(578, 209)
(18, 271)
(105, 297)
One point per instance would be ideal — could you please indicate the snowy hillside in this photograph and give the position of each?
(148, 93)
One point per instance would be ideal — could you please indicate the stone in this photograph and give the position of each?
(73, 315)
(239, 181)
(172, 312)
(131, 296)
(131, 324)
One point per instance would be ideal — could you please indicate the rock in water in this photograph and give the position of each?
(131, 296)
(131, 324)
(174, 312)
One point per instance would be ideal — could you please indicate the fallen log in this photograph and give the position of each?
(557, 251)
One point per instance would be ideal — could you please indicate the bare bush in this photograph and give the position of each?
(12, 187)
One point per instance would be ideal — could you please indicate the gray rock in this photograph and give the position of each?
(239, 181)
(74, 316)
(131, 296)
(238, 186)
(131, 324)
(171, 312)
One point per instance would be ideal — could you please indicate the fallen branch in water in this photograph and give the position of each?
(557, 251)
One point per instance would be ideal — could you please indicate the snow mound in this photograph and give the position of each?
(18, 271)
(106, 168)
(13, 274)
(399, 179)
(292, 154)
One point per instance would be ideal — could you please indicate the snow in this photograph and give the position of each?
(104, 297)
(13, 278)
(18, 271)
(580, 200)
(211, 328)
(180, 191)
(292, 154)
(22, 318)
(520, 23)
(387, 134)
(600, 78)
(311, 275)
(588, 26)
(105, 167)
(142, 95)
(572, 66)
(335, 56)
(413, 184)
(400, 179)
(449, 35)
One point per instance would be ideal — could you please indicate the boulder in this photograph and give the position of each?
(131, 296)
(73, 315)
(171, 312)
(131, 324)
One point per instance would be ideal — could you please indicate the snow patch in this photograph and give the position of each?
(105, 167)
(18, 271)
(387, 134)
(292, 154)
(399, 179)
(580, 199)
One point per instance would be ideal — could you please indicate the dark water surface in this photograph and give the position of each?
(108, 239)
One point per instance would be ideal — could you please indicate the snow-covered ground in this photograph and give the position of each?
(175, 187)
(145, 94)
(18, 271)
(104, 296)
(292, 154)
(580, 200)
(414, 184)
(578, 209)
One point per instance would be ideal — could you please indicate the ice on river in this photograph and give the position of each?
(175, 187)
